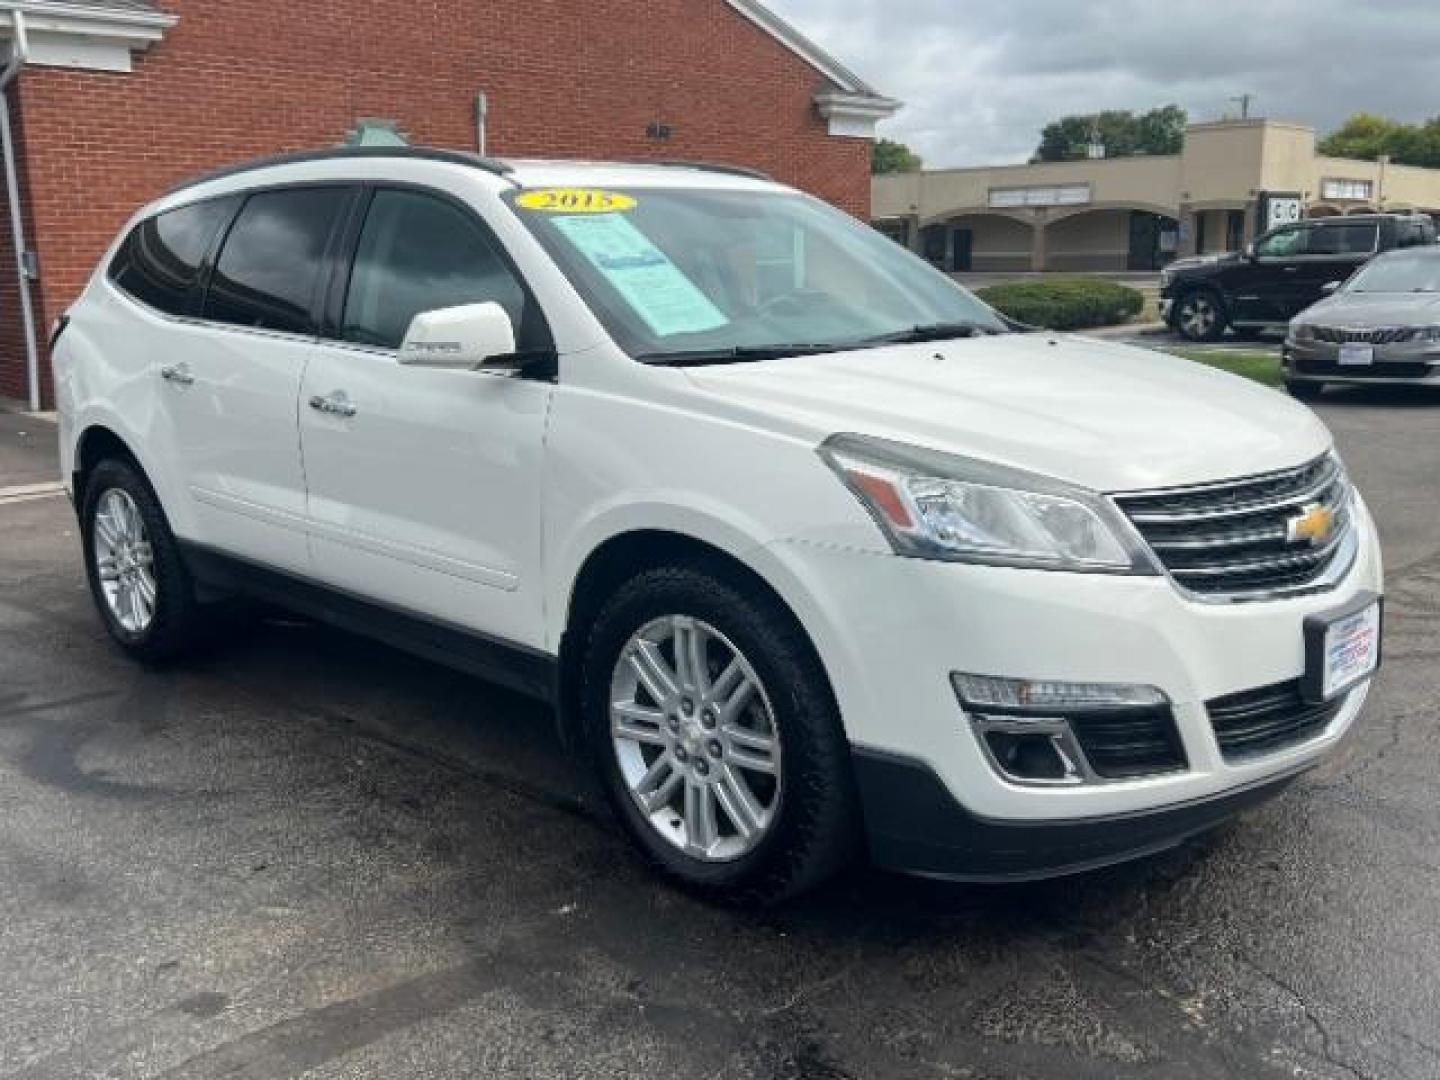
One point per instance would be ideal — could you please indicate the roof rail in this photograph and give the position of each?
(711, 166)
(343, 153)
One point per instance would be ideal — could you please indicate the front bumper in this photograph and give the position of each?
(916, 826)
(1319, 362)
(891, 630)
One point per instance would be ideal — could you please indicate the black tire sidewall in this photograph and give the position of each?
(816, 787)
(168, 632)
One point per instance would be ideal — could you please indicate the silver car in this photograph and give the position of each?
(1380, 326)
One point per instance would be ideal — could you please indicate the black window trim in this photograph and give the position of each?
(343, 268)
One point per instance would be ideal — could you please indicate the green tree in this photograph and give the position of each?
(1366, 136)
(1122, 133)
(889, 156)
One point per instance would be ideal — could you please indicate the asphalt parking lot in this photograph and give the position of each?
(307, 855)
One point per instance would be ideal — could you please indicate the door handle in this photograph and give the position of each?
(179, 374)
(1291, 269)
(336, 404)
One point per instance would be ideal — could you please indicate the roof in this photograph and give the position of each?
(807, 50)
(89, 7)
(520, 173)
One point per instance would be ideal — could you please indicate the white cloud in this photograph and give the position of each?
(980, 80)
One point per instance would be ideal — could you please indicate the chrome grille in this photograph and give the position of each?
(1233, 540)
(1364, 335)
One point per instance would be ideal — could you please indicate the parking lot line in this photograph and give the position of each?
(26, 492)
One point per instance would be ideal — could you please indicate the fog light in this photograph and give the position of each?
(1024, 756)
(988, 693)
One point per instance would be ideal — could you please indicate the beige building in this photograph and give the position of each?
(1232, 180)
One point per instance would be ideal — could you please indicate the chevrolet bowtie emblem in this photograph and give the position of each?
(1314, 526)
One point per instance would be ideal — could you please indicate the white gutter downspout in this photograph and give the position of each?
(19, 53)
(482, 114)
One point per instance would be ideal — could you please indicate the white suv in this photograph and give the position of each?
(809, 547)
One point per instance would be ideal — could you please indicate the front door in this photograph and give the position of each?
(1265, 288)
(424, 485)
(1144, 241)
(233, 380)
(962, 257)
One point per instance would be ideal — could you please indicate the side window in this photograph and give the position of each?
(1348, 239)
(1283, 243)
(269, 267)
(159, 262)
(420, 253)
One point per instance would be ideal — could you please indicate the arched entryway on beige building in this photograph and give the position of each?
(978, 240)
(1112, 237)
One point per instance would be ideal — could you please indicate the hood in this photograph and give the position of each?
(1354, 309)
(1107, 417)
(1195, 262)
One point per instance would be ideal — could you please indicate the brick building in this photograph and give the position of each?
(117, 99)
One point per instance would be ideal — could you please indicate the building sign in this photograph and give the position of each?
(1346, 189)
(1054, 195)
(1280, 208)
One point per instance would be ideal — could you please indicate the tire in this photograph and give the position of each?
(1305, 391)
(118, 501)
(1200, 315)
(810, 818)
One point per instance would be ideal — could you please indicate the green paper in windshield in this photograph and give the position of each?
(661, 294)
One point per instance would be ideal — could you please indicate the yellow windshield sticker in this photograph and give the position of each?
(575, 201)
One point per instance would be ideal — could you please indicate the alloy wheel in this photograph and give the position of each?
(695, 737)
(1198, 315)
(125, 561)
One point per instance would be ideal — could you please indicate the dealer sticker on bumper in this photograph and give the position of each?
(1342, 649)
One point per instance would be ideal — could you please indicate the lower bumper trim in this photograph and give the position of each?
(916, 826)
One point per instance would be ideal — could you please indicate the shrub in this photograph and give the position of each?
(1074, 303)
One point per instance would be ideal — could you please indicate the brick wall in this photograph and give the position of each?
(564, 78)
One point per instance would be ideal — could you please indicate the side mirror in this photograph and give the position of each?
(1331, 287)
(462, 338)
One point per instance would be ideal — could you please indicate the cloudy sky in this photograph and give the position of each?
(979, 79)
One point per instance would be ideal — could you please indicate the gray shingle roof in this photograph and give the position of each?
(142, 7)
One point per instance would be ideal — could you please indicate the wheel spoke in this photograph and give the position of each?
(701, 829)
(107, 568)
(690, 669)
(733, 704)
(637, 722)
(658, 785)
(654, 673)
(739, 804)
(107, 530)
(145, 588)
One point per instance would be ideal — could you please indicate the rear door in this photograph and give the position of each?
(231, 396)
(425, 485)
(1336, 250)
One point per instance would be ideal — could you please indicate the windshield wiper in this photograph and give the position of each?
(941, 331)
(733, 354)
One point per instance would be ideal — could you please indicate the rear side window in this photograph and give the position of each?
(1356, 239)
(159, 262)
(269, 268)
(420, 253)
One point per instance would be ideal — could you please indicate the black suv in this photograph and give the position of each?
(1281, 274)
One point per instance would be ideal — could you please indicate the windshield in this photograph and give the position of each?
(706, 276)
(1409, 272)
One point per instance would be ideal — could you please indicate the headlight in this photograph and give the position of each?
(937, 506)
(1427, 333)
(1165, 278)
(1302, 332)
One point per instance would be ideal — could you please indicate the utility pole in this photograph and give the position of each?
(1244, 100)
